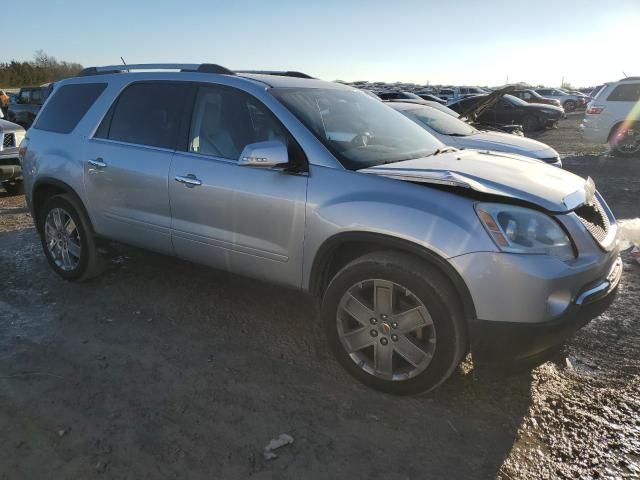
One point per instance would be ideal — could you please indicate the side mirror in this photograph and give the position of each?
(264, 154)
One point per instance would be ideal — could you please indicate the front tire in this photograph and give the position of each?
(395, 323)
(530, 124)
(569, 106)
(68, 240)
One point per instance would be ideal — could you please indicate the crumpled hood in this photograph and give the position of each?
(507, 175)
(506, 142)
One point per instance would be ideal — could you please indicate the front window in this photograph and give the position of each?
(440, 122)
(359, 130)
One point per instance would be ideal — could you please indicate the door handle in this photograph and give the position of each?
(189, 180)
(98, 163)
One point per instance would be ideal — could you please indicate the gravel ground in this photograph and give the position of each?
(164, 369)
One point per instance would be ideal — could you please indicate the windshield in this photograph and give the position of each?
(440, 122)
(411, 95)
(360, 131)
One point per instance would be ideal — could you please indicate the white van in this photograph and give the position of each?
(613, 116)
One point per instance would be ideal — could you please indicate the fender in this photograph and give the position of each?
(320, 262)
(58, 184)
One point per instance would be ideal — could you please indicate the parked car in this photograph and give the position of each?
(582, 97)
(531, 96)
(456, 133)
(416, 252)
(398, 96)
(27, 105)
(614, 117)
(568, 101)
(11, 135)
(457, 93)
(499, 108)
(446, 94)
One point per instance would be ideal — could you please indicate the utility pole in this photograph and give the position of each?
(562, 84)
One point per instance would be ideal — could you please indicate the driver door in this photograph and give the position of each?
(248, 220)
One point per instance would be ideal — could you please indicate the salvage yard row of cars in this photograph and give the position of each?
(417, 248)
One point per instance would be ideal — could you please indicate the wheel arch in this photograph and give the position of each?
(45, 188)
(615, 127)
(342, 248)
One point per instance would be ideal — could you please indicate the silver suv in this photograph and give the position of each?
(417, 252)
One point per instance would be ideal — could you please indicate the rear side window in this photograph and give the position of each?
(625, 93)
(67, 106)
(146, 114)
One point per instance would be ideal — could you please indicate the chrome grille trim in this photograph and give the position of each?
(8, 140)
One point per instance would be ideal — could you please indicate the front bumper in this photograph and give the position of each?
(493, 341)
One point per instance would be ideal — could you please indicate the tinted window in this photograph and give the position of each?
(625, 93)
(226, 120)
(67, 106)
(147, 114)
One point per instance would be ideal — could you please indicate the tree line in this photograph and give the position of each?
(42, 69)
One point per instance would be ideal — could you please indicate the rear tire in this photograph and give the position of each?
(14, 187)
(64, 227)
(569, 106)
(416, 345)
(624, 141)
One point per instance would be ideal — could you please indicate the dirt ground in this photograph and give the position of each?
(164, 369)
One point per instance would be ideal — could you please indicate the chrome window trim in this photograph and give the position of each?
(128, 144)
(207, 156)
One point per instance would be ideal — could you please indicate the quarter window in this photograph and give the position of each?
(146, 114)
(225, 121)
(625, 93)
(67, 106)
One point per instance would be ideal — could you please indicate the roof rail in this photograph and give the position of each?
(287, 73)
(630, 78)
(183, 67)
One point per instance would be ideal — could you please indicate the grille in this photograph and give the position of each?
(594, 218)
(8, 140)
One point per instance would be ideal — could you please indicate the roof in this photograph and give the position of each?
(270, 78)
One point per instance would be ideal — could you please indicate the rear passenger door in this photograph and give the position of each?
(248, 220)
(127, 164)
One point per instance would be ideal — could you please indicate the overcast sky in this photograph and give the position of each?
(461, 42)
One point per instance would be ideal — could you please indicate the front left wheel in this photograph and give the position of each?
(67, 239)
(394, 323)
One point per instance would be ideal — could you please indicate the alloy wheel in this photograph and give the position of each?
(627, 142)
(62, 239)
(386, 329)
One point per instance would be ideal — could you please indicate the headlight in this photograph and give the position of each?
(522, 230)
